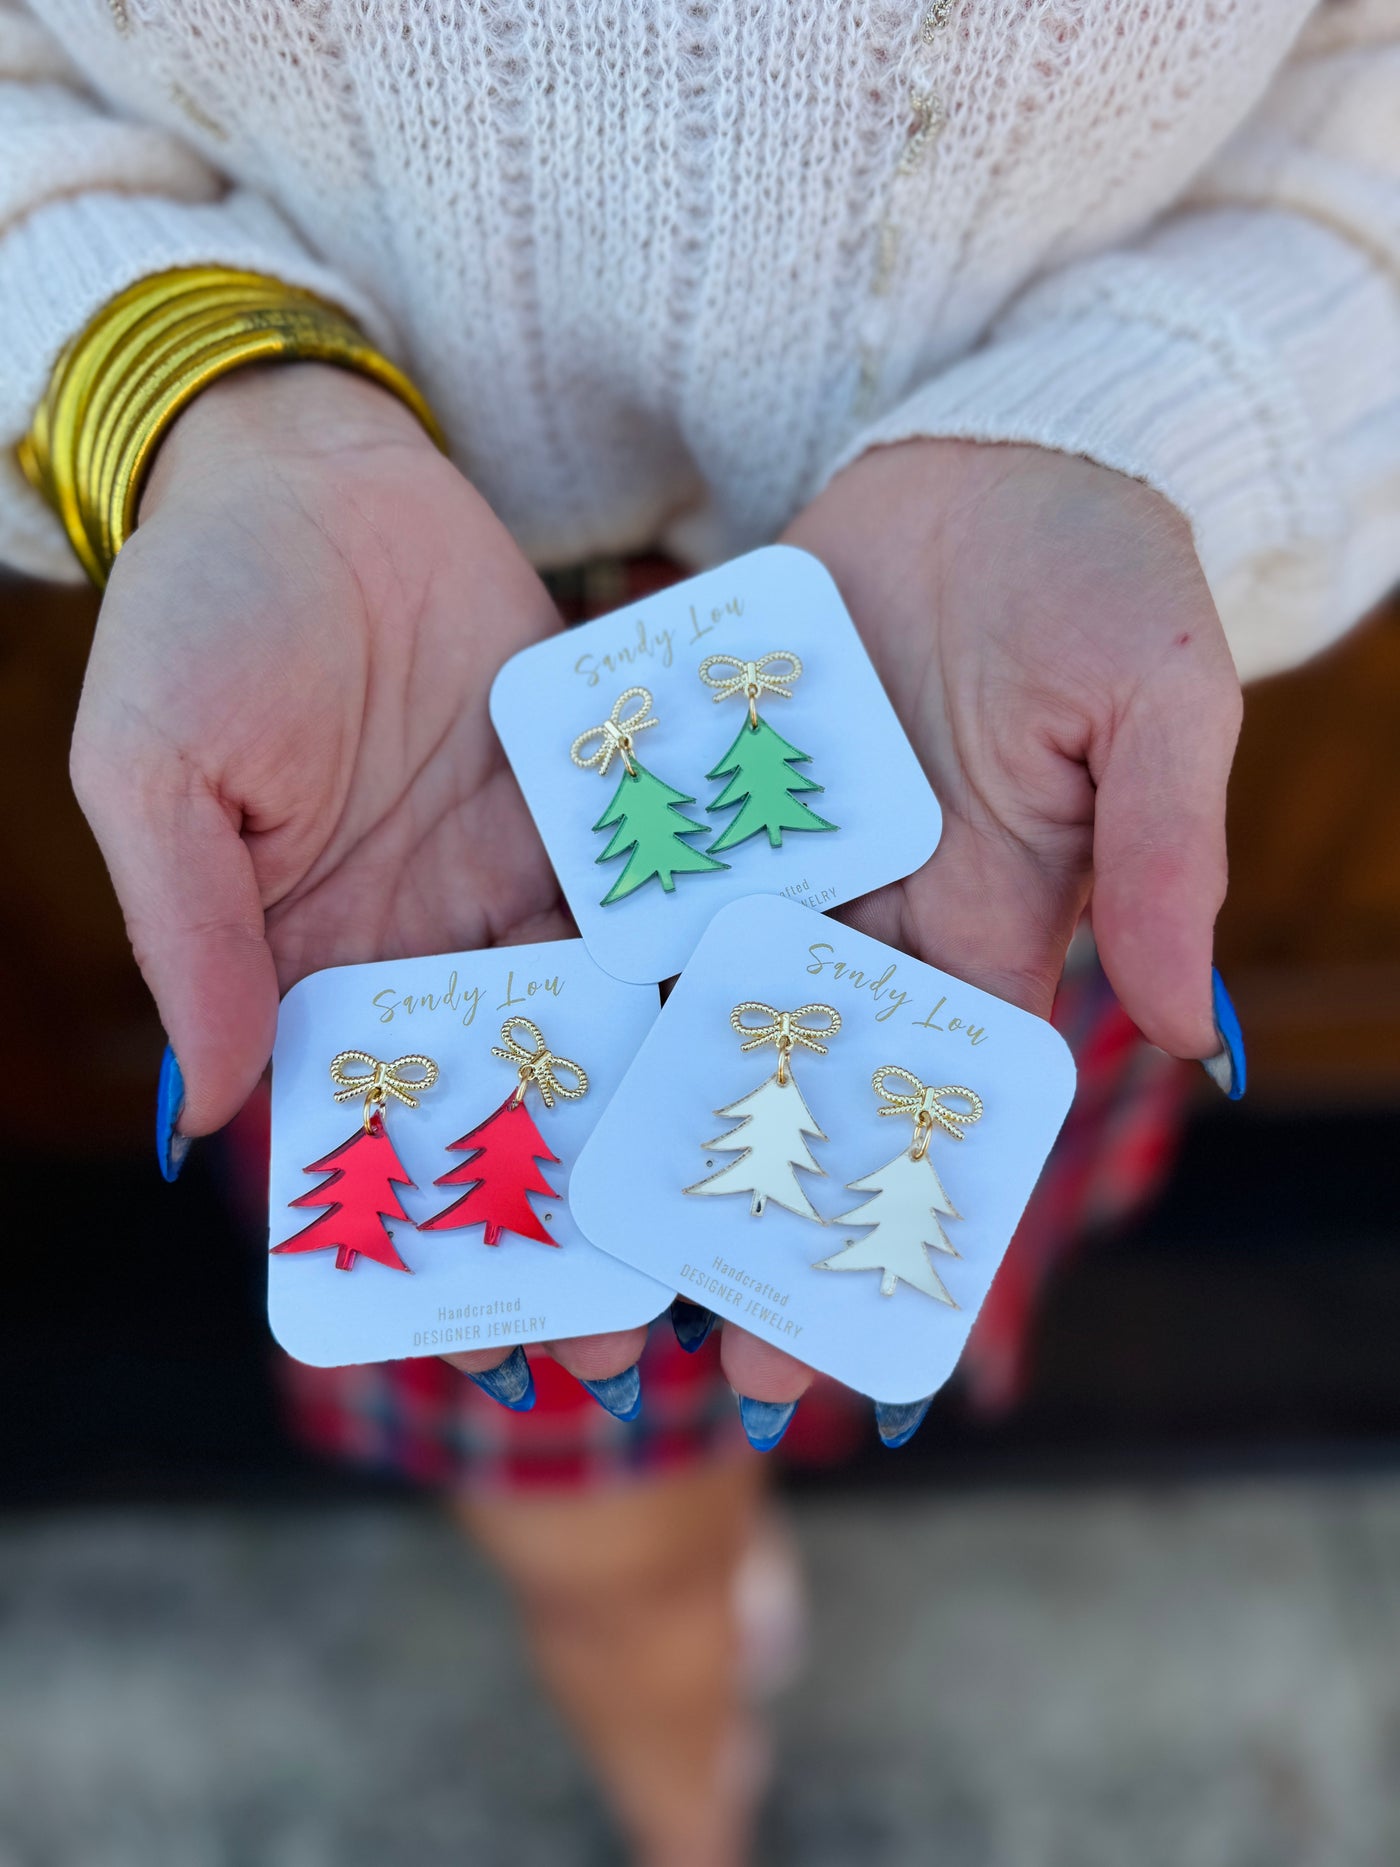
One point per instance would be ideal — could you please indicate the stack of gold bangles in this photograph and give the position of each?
(120, 384)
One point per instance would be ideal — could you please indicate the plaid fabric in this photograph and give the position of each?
(424, 1421)
(1112, 1156)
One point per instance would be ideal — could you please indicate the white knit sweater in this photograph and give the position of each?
(663, 265)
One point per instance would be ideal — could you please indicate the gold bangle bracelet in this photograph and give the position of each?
(118, 387)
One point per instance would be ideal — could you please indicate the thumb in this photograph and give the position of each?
(1159, 851)
(185, 881)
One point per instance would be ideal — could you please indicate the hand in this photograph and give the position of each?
(1044, 630)
(283, 744)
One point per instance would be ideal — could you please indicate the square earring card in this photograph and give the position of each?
(426, 1118)
(831, 1144)
(727, 737)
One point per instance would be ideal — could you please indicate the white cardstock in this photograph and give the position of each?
(932, 1232)
(460, 1294)
(873, 788)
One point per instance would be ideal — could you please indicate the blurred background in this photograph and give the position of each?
(1142, 1606)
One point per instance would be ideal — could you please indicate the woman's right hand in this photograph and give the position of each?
(283, 744)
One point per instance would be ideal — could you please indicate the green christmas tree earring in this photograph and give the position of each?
(645, 816)
(760, 766)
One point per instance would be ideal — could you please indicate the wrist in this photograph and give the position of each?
(927, 498)
(276, 410)
(143, 359)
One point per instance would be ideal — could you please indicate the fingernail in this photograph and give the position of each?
(1226, 1069)
(765, 1421)
(691, 1324)
(511, 1383)
(171, 1146)
(620, 1394)
(898, 1423)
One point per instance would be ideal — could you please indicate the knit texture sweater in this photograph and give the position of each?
(663, 266)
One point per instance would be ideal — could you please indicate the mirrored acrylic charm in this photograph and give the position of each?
(494, 1258)
(804, 813)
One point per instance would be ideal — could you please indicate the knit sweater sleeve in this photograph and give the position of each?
(1242, 357)
(89, 203)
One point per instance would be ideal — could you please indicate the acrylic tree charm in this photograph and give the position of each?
(500, 1175)
(504, 1152)
(907, 1199)
(650, 826)
(760, 766)
(646, 816)
(365, 1171)
(772, 1122)
(361, 1193)
(762, 782)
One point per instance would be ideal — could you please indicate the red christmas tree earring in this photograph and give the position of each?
(365, 1171)
(504, 1151)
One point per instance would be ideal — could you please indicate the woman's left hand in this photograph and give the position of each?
(1044, 630)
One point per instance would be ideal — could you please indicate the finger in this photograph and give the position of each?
(506, 1379)
(992, 909)
(591, 1358)
(606, 1366)
(759, 1370)
(1159, 853)
(478, 1360)
(767, 1382)
(186, 885)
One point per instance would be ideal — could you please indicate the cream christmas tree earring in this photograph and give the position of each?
(645, 816)
(760, 766)
(906, 1196)
(772, 1121)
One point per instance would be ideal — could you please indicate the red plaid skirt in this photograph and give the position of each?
(424, 1421)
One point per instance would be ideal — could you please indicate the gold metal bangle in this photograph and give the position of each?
(145, 356)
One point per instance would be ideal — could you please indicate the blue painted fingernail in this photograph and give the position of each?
(1226, 1069)
(171, 1146)
(510, 1383)
(691, 1324)
(898, 1423)
(765, 1421)
(620, 1394)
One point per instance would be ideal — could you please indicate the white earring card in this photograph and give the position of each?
(794, 1208)
(362, 1282)
(819, 801)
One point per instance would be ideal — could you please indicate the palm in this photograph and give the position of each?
(304, 653)
(1019, 607)
(404, 831)
(1000, 898)
(1047, 638)
(284, 744)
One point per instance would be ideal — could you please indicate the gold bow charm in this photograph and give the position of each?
(539, 1066)
(786, 1029)
(377, 1081)
(751, 678)
(926, 1105)
(615, 734)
